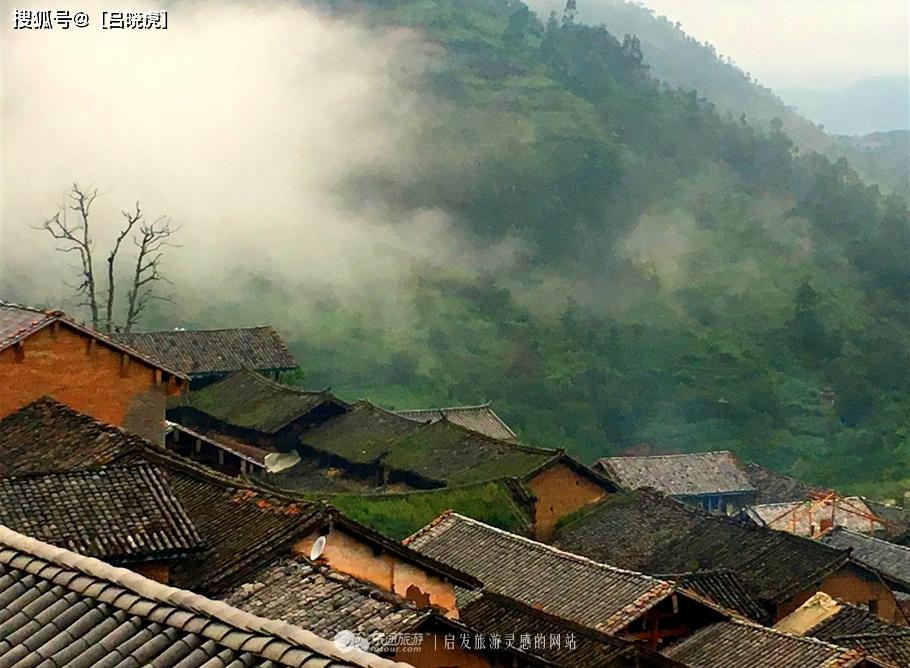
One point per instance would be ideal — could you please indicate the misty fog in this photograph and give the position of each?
(244, 125)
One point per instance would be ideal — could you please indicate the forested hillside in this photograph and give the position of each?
(684, 279)
(683, 61)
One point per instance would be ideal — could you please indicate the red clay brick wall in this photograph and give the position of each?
(559, 491)
(89, 377)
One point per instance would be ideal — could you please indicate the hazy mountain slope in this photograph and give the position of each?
(682, 60)
(667, 274)
(876, 104)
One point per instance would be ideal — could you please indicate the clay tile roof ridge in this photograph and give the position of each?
(537, 545)
(202, 329)
(195, 603)
(24, 307)
(668, 456)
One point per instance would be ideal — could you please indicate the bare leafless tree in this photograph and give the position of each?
(75, 237)
(151, 239)
(131, 220)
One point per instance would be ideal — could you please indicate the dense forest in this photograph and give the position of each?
(682, 61)
(686, 280)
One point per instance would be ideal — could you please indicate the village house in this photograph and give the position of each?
(740, 644)
(124, 515)
(45, 353)
(373, 443)
(566, 586)
(889, 560)
(242, 528)
(711, 480)
(816, 515)
(325, 601)
(307, 441)
(848, 625)
(61, 608)
(248, 409)
(208, 355)
(482, 419)
(652, 533)
(313, 595)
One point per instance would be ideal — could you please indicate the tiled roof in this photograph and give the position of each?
(494, 614)
(205, 352)
(804, 518)
(773, 487)
(440, 453)
(113, 513)
(679, 475)
(58, 608)
(48, 436)
(18, 322)
(738, 644)
(848, 619)
(242, 527)
(649, 532)
(325, 601)
(892, 648)
(481, 419)
(249, 400)
(890, 560)
(724, 588)
(229, 443)
(895, 518)
(564, 585)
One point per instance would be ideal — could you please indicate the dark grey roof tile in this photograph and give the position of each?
(200, 353)
(117, 513)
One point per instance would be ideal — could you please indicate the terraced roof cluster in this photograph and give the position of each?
(650, 532)
(439, 452)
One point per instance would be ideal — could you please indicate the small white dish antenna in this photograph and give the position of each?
(317, 549)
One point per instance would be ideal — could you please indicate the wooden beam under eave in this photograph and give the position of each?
(19, 351)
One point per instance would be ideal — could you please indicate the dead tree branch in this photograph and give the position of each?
(151, 240)
(131, 220)
(77, 238)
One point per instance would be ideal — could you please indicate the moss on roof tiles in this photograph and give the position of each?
(399, 515)
(251, 401)
(440, 451)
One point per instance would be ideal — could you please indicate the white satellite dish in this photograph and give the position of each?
(317, 549)
(279, 461)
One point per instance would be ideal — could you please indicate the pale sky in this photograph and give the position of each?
(800, 43)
